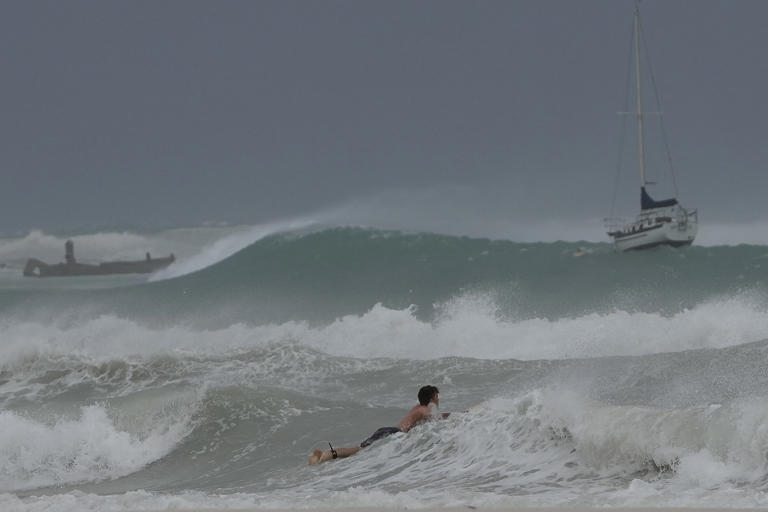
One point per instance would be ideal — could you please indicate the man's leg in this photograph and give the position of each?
(319, 456)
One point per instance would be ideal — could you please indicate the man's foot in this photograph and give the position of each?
(319, 456)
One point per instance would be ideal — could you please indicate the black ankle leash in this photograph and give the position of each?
(333, 452)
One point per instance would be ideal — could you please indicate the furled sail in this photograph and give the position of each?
(647, 202)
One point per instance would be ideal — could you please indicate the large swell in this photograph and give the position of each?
(592, 377)
(321, 275)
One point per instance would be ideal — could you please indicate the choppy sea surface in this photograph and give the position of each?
(594, 378)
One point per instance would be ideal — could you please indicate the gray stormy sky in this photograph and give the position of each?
(160, 113)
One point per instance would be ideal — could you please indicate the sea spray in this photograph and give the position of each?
(593, 378)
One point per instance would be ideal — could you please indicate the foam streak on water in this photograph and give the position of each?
(468, 326)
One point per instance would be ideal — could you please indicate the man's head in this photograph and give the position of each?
(427, 394)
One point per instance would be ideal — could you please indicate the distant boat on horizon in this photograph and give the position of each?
(663, 222)
(71, 267)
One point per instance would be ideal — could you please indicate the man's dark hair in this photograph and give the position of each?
(426, 393)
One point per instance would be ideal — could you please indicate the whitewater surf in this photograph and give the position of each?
(209, 385)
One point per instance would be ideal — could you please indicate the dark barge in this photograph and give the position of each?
(37, 268)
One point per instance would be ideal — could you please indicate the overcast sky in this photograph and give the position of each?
(162, 113)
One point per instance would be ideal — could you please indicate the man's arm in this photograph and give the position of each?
(444, 415)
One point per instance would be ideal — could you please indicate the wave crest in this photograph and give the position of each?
(91, 447)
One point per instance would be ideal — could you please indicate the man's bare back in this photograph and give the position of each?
(416, 415)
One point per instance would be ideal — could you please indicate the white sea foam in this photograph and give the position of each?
(471, 326)
(705, 447)
(468, 326)
(35, 453)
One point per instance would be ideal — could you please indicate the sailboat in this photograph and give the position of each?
(663, 222)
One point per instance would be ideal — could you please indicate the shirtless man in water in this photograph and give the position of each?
(418, 414)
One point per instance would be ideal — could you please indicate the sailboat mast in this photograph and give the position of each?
(640, 142)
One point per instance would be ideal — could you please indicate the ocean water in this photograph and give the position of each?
(594, 378)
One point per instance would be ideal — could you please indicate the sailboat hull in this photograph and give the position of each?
(649, 241)
(656, 227)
